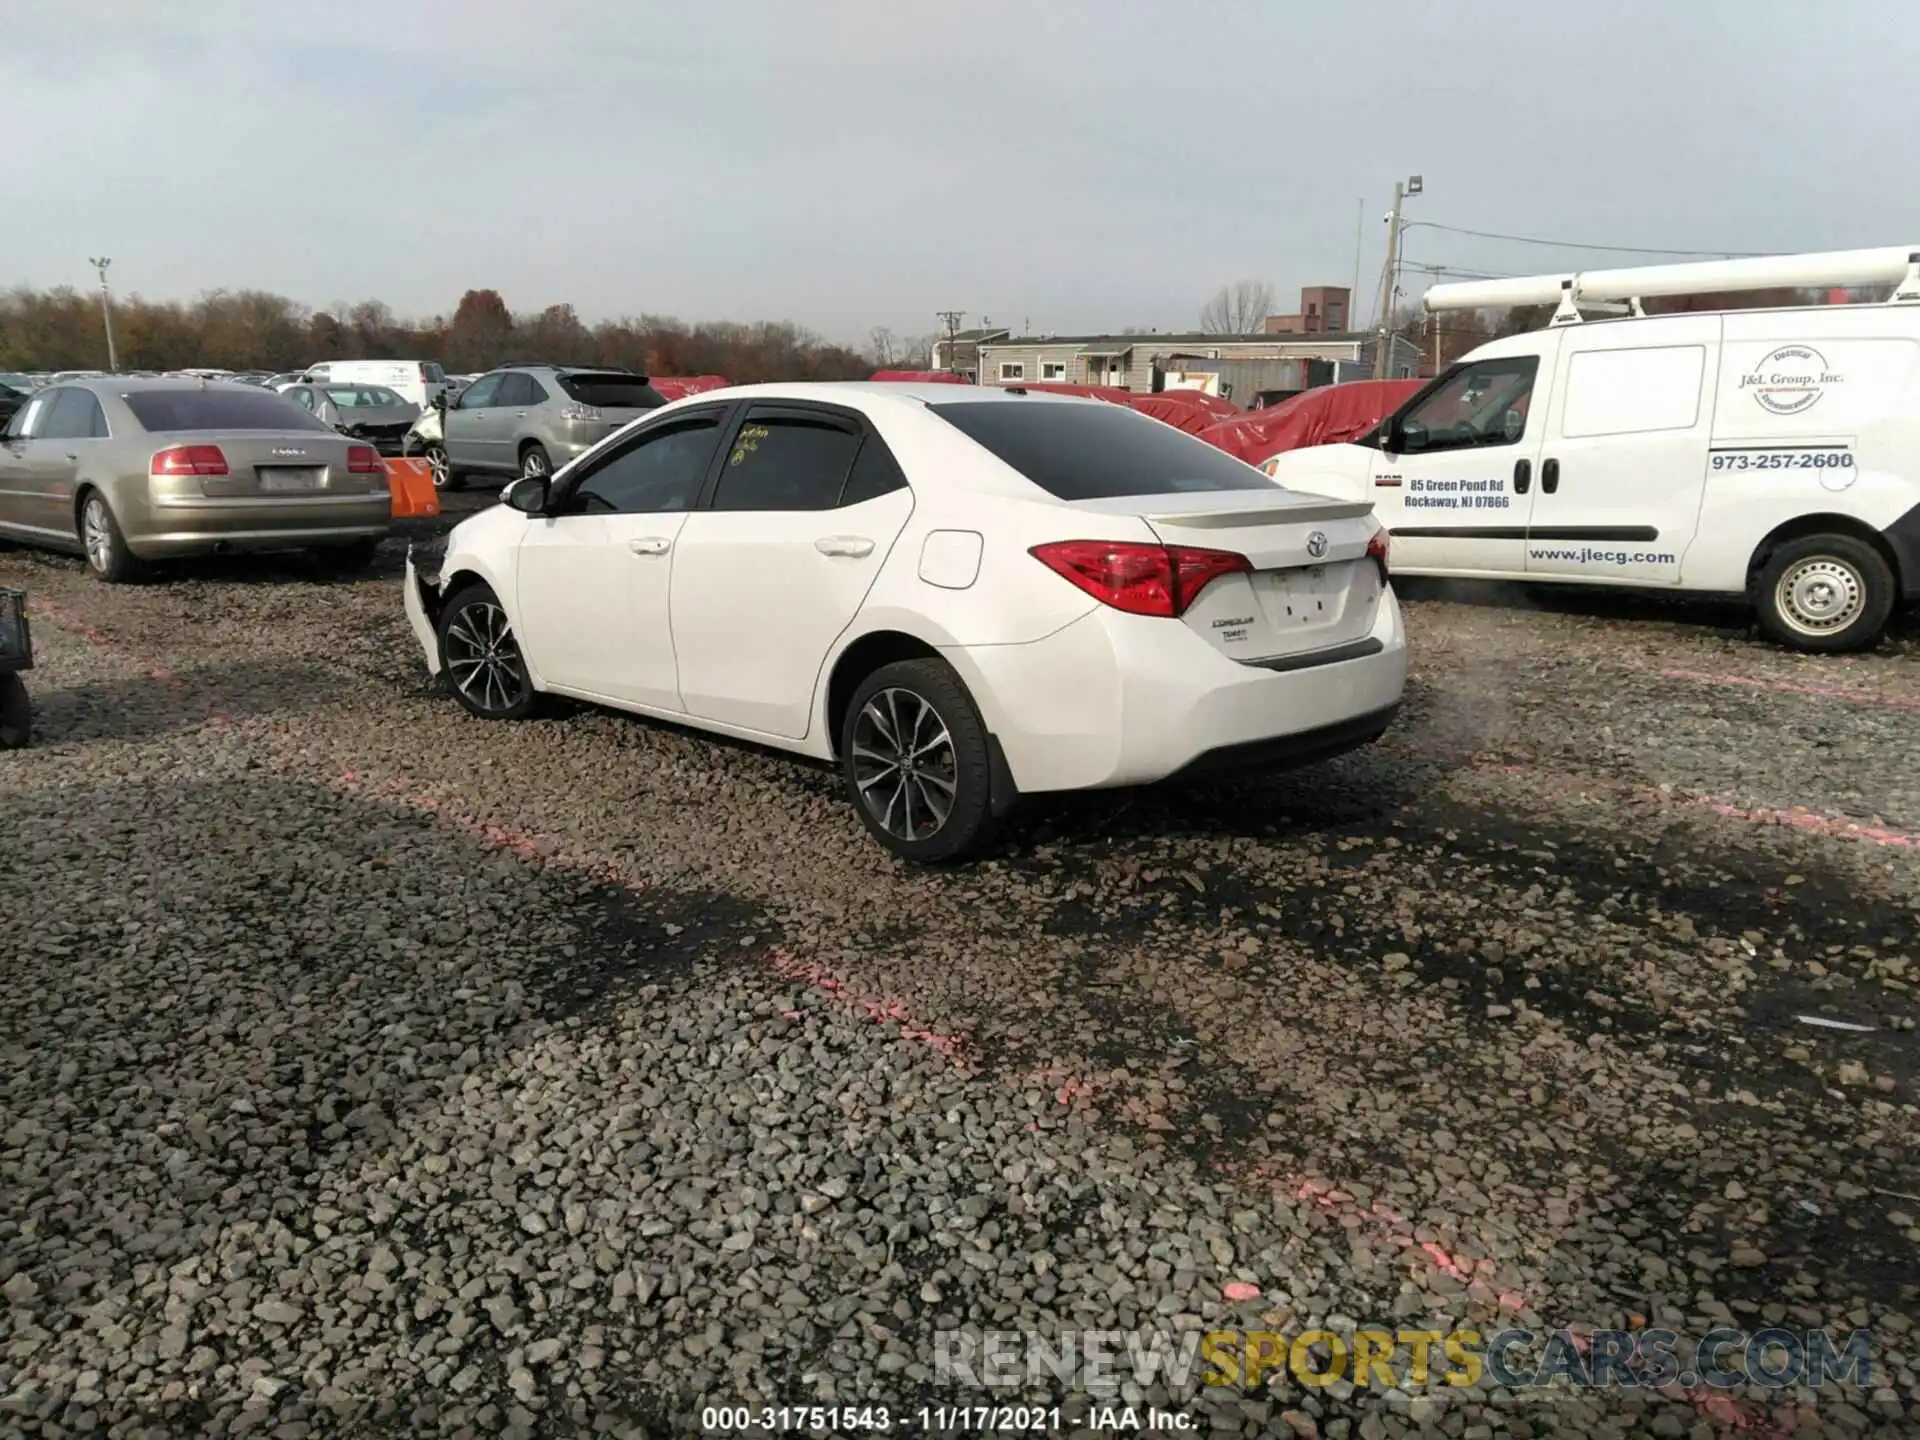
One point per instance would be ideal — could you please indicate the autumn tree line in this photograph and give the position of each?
(63, 329)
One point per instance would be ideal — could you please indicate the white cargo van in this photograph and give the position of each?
(1771, 454)
(416, 380)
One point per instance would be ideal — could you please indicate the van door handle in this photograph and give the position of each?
(650, 545)
(854, 546)
(1522, 476)
(1550, 477)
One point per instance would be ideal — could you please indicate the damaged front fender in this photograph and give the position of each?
(423, 599)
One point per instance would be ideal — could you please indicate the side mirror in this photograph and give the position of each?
(528, 495)
(439, 401)
(1409, 436)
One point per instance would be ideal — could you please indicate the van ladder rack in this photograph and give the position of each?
(1620, 292)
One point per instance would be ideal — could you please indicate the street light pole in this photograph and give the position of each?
(101, 263)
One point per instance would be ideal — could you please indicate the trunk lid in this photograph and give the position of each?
(295, 464)
(1313, 586)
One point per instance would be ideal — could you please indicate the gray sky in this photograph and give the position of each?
(851, 163)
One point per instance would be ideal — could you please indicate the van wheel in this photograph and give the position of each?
(913, 751)
(1825, 593)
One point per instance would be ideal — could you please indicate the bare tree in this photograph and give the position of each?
(1237, 309)
(886, 349)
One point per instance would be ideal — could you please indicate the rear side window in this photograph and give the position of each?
(875, 473)
(167, 411)
(612, 392)
(1088, 450)
(786, 463)
(71, 417)
(433, 374)
(521, 389)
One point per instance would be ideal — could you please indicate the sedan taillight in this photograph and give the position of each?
(364, 460)
(188, 460)
(1378, 547)
(1158, 580)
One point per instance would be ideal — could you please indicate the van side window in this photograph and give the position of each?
(1481, 404)
(1619, 392)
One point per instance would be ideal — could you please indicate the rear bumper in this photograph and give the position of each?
(1115, 699)
(196, 525)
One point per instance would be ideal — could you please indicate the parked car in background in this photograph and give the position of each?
(416, 380)
(286, 378)
(63, 377)
(366, 412)
(960, 594)
(12, 398)
(16, 380)
(531, 419)
(126, 471)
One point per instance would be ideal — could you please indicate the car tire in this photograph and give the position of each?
(16, 713)
(1825, 594)
(106, 548)
(444, 476)
(535, 463)
(480, 656)
(952, 762)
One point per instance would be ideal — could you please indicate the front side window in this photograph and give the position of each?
(481, 393)
(786, 463)
(1478, 405)
(658, 471)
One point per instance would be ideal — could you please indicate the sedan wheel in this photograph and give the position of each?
(482, 659)
(107, 553)
(914, 752)
(443, 478)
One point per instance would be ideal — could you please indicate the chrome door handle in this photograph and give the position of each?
(519, 414)
(851, 545)
(652, 545)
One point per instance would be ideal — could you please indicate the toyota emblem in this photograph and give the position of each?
(1317, 544)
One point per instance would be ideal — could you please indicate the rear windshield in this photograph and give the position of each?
(166, 411)
(367, 397)
(612, 392)
(1094, 451)
(432, 373)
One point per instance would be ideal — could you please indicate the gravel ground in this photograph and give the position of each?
(370, 1070)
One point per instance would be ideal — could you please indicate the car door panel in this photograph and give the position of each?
(1458, 478)
(466, 423)
(591, 582)
(760, 594)
(46, 464)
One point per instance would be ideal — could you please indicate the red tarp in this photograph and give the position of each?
(1181, 414)
(1328, 415)
(1112, 394)
(674, 387)
(1211, 405)
(922, 377)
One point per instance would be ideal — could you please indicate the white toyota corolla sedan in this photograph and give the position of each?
(959, 595)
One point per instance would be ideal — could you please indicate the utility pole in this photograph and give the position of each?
(953, 319)
(101, 263)
(1359, 230)
(1390, 276)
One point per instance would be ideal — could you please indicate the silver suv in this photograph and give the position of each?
(531, 419)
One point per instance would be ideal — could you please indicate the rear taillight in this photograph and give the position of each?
(1378, 547)
(364, 460)
(1161, 580)
(579, 412)
(189, 460)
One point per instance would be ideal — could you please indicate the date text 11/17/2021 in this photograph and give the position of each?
(935, 1419)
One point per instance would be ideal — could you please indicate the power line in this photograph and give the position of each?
(1571, 245)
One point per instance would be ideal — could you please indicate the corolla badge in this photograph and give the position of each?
(1317, 544)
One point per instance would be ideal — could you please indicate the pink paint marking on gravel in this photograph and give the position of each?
(72, 623)
(1241, 1290)
(882, 1009)
(1809, 821)
(1788, 687)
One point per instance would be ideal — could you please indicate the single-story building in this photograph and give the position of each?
(1141, 362)
(965, 357)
